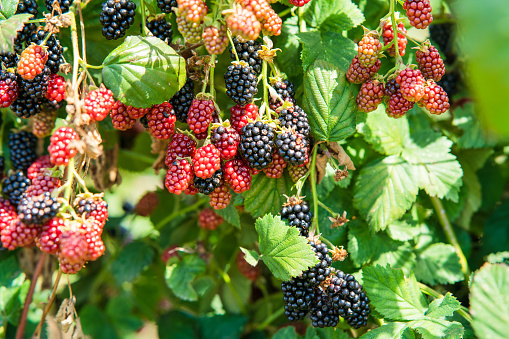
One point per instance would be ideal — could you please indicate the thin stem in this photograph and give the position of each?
(409, 38)
(395, 29)
(211, 75)
(228, 282)
(180, 212)
(20, 332)
(79, 179)
(143, 20)
(451, 236)
(325, 240)
(313, 190)
(69, 180)
(327, 208)
(302, 22)
(265, 88)
(271, 318)
(75, 51)
(463, 311)
(233, 45)
(37, 332)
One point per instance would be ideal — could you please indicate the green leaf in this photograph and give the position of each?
(177, 325)
(290, 47)
(499, 257)
(393, 330)
(330, 333)
(9, 28)
(287, 332)
(282, 248)
(489, 301)
(496, 230)
(9, 270)
(437, 329)
(230, 214)
(384, 191)
(180, 276)
(329, 102)
(387, 135)
(96, 324)
(473, 133)
(391, 295)
(402, 231)
(438, 171)
(443, 307)
(340, 15)
(222, 326)
(8, 8)
(144, 71)
(267, 195)
(438, 264)
(251, 257)
(331, 47)
(131, 261)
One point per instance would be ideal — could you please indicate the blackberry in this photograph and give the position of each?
(64, 5)
(257, 144)
(182, 100)
(293, 147)
(298, 214)
(451, 83)
(22, 149)
(241, 82)
(27, 6)
(14, 186)
(318, 273)
(442, 36)
(38, 210)
(26, 106)
(167, 6)
(295, 118)
(37, 87)
(144, 121)
(160, 28)
(298, 298)
(248, 52)
(349, 299)
(207, 186)
(8, 59)
(286, 92)
(54, 49)
(30, 7)
(116, 17)
(323, 312)
(9, 89)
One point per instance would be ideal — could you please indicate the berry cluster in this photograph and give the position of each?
(116, 17)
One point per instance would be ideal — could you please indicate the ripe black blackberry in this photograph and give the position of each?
(64, 5)
(257, 144)
(441, 35)
(318, 273)
(116, 17)
(55, 57)
(182, 100)
(26, 106)
(248, 52)
(286, 92)
(160, 28)
(38, 210)
(241, 83)
(207, 186)
(37, 87)
(349, 299)
(22, 149)
(8, 59)
(298, 214)
(295, 118)
(323, 313)
(14, 186)
(29, 7)
(293, 147)
(451, 83)
(167, 6)
(297, 297)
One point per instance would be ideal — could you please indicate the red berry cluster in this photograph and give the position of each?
(209, 220)
(32, 61)
(61, 147)
(98, 104)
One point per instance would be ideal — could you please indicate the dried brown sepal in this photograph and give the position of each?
(293, 200)
(338, 253)
(339, 221)
(341, 174)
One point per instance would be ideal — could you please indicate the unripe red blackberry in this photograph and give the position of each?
(273, 24)
(200, 114)
(237, 175)
(92, 206)
(49, 238)
(388, 36)
(182, 100)
(241, 83)
(294, 118)
(44, 123)
(191, 190)
(298, 3)
(296, 172)
(116, 17)
(396, 106)
(178, 176)
(42, 183)
(60, 147)
(243, 22)
(220, 198)
(260, 8)
(32, 61)
(147, 204)
(73, 247)
(358, 74)
(209, 220)
(257, 144)
(430, 62)
(411, 84)
(368, 50)
(435, 99)
(206, 161)
(418, 13)
(248, 52)
(8, 88)
(38, 166)
(180, 146)
(120, 118)
(137, 112)
(192, 10)
(276, 167)
(250, 272)
(191, 31)
(285, 90)
(215, 39)
(161, 121)
(17, 234)
(226, 140)
(98, 104)
(371, 94)
(95, 246)
(7, 218)
(56, 88)
(160, 28)
(240, 116)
